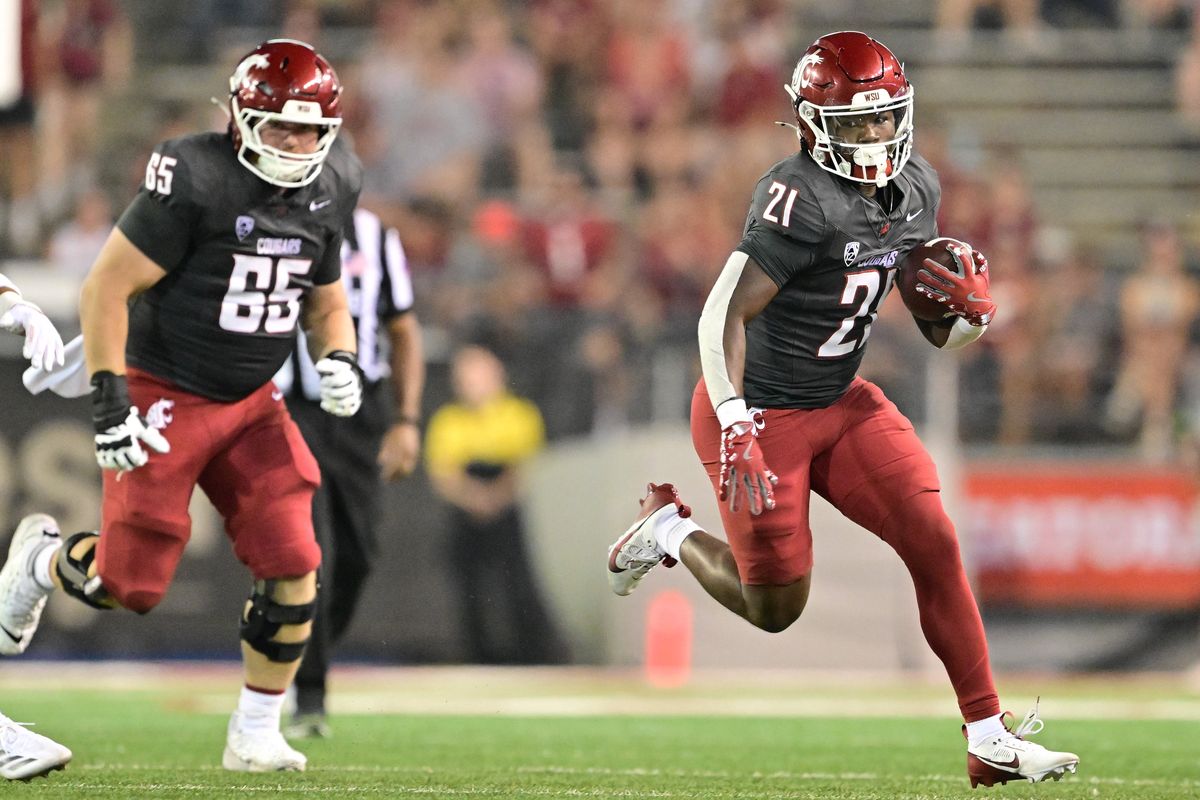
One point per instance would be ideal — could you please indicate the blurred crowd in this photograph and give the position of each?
(568, 177)
(1032, 23)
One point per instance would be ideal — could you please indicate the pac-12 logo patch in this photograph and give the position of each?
(851, 252)
(243, 226)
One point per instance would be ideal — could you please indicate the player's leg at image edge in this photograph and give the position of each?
(22, 595)
(996, 751)
(274, 633)
(39, 561)
(25, 755)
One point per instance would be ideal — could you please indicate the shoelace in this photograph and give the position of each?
(1031, 725)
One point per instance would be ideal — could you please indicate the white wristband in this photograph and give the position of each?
(962, 334)
(732, 411)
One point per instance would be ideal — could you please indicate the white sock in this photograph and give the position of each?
(671, 530)
(41, 565)
(260, 711)
(982, 729)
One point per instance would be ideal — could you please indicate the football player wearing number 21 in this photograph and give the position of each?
(780, 411)
(233, 240)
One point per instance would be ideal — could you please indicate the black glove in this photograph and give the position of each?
(120, 430)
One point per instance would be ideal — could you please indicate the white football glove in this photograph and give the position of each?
(120, 447)
(341, 383)
(43, 345)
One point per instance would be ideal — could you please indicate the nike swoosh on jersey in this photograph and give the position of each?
(317, 205)
(9, 634)
(913, 215)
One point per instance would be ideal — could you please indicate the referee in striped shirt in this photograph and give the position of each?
(381, 440)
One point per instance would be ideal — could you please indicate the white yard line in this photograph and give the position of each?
(642, 772)
(385, 791)
(636, 772)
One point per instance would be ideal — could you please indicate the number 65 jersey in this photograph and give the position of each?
(834, 255)
(240, 256)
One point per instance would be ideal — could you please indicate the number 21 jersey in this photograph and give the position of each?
(240, 256)
(833, 254)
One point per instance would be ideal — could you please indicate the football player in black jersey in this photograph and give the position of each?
(780, 411)
(232, 241)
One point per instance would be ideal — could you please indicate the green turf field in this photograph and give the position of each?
(162, 737)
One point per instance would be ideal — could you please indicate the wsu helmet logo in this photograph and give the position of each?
(241, 75)
(799, 79)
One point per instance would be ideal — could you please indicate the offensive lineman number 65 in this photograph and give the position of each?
(271, 304)
(243, 308)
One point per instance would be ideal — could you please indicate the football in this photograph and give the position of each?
(919, 305)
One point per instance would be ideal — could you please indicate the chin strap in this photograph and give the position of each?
(795, 129)
(873, 156)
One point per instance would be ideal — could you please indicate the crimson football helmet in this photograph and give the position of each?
(849, 74)
(283, 80)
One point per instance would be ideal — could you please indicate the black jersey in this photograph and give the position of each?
(834, 254)
(240, 256)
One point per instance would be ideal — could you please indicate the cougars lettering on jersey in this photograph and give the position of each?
(833, 254)
(240, 257)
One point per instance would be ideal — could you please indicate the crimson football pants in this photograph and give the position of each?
(863, 456)
(247, 456)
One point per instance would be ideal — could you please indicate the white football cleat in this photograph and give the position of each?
(25, 754)
(1008, 756)
(259, 751)
(635, 552)
(21, 597)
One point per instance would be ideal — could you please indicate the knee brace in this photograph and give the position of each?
(76, 568)
(264, 617)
